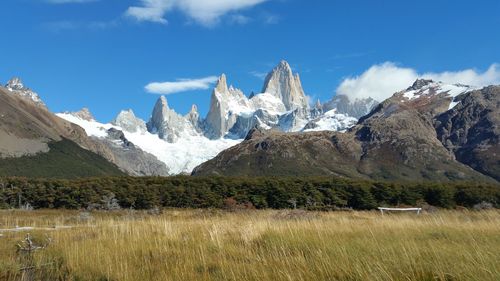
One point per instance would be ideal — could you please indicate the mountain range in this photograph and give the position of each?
(183, 142)
(429, 131)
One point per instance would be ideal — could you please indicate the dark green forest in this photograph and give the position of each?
(221, 192)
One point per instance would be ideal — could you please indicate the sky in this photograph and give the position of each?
(110, 55)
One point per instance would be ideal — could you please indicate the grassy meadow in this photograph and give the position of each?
(252, 245)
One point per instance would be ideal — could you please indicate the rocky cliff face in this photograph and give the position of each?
(471, 130)
(396, 141)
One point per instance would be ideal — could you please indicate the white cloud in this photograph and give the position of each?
(383, 80)
(205, 12)
(469, 76)
(181, 85)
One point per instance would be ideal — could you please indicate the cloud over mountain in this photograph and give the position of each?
(181, 85)
(382, 80)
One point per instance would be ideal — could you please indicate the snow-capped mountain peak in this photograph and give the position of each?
(428, 89)
(16, 86)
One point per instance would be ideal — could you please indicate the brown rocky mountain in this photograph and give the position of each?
(26, 127)
(396, 141)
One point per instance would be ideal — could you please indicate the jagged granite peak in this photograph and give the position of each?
(16, 86)
(169, 125)
(356, 108)
(282, 83)
(127, 120)
(221, 85)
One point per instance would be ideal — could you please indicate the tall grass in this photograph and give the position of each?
(258, 245)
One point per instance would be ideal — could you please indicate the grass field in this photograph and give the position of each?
(253, 245)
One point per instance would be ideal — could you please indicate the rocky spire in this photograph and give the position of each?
(194, 117)
(127, 120)
(221, 85)
(283, 84)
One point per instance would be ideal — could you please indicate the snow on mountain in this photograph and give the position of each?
(331, 121)
(127, 120)
(427, 88)
(268, 102)
(355, 108)
(180, 157)
(16, 86)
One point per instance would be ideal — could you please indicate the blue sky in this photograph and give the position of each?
(102, 53)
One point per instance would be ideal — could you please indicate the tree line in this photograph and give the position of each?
(313, 193)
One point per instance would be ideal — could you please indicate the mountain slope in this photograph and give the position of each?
(64, 159)
(396, 141)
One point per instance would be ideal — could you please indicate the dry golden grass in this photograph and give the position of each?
(258, 245)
